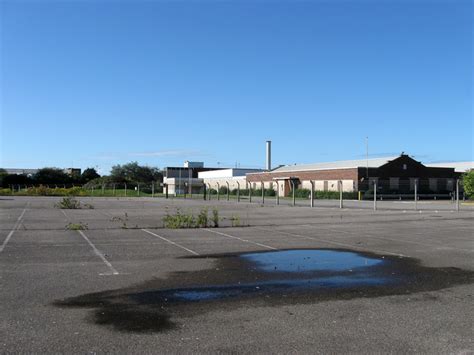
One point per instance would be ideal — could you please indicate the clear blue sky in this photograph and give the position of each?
(95, 83)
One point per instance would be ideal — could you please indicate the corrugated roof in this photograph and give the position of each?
(345, 164)
(460, 167)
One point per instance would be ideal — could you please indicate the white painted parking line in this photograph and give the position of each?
(328, 241)
(15, 227)
(169, 241)
(96, 251)
(99, 254)
(241, 239)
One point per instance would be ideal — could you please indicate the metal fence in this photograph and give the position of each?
(377, 192)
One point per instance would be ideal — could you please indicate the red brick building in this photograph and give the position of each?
(392, 175)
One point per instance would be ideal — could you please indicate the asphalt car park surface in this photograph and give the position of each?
(73, 291)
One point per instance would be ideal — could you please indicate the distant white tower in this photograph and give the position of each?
(268, 165)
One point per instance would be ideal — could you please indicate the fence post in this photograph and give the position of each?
(416, 194)
(278, 193)
(125, 189)
(238, 191)
(204, 192)
(103, 188)
(375, 195)
(209, 191)
(166, 191)
(312, 193)
(218, 192)
(228, 190)
(293, 188)
(250, 192)
(457, 195)
(340, 194)
(263, 192)
(152, 189)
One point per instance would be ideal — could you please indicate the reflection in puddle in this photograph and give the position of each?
(299, 270)
(221, 292)
(263, 278)
(309, 260)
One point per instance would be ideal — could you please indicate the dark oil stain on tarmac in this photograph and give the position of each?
(262, 279)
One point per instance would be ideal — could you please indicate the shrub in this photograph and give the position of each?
(179, 220)
(215, 217)
(235, 221)
(468, 182)
(302, 193)
(202, 219)
(223, 190)
(5, 191)
(188, 220)
(76, 226)
(68, 203)
(76, 191)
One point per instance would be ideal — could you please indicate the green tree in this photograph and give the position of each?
(51, 176)
(89, 174)
(3, 174)
(132, 172)
(468, 182)
(14, 179)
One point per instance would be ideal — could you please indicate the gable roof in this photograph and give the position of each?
(343, 164)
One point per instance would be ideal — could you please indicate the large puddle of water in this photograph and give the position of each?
(271, 277)
(307, 260)
(287, 270)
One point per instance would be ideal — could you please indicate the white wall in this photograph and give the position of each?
(226, 173)
(233, 182)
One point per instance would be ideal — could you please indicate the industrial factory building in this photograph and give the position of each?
(233, 178)
(193, 176)
(397, 174)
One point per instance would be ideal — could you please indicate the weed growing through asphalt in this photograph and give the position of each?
(76, 226)
(215, 217)
(181, 219)
(202, 218)
(235, 221)
(68, 203)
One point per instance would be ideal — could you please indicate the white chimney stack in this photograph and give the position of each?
(268, 165)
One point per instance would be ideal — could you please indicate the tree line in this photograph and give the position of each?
(131, 172)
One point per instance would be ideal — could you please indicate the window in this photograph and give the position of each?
(433, 183)
(394, 183)
(404, 167)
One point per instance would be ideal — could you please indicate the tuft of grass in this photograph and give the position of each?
(187, 220)
(202, 218)
(179, 220)
(76, 226)
(68, 203)
(215, 217)
(235, 221)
